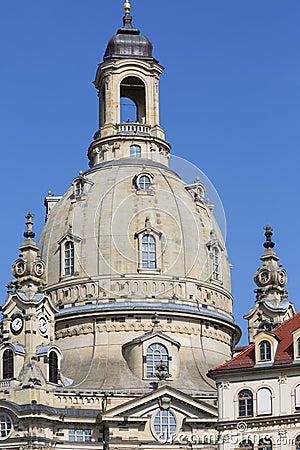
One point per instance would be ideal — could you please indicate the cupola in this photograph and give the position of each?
(128, 41)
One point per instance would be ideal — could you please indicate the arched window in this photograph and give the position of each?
(264, 401)
(215, 263)
(135, 151)
(265, 351)
(132, 100)
(148, 252)
(297, 397)
(246, 444)
(8, 364)
(53, 367)
(164, 425)
(245, 403)
(156, 354)
(265, 444)
(6, 426)
(297, 442)
(69, 258)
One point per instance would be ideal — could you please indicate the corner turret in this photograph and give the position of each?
(271, 306)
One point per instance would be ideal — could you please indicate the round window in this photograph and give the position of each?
(164, 425)
(5, 426)
(144, 182)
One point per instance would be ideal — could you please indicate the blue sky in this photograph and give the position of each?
(230, 102)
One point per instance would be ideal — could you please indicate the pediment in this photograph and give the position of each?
(152, 334)
(139, 409)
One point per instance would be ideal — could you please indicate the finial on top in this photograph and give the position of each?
(29, 234)
(268, 234)
(155, 320)
(127, 8)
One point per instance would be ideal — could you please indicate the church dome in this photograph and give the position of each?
(107, 216)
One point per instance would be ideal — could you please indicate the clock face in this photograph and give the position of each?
(17, 325)
(264, 277)
(43, 325)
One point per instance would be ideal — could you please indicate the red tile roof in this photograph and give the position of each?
(284, 354)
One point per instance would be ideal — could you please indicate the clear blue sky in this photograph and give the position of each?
(230, 103)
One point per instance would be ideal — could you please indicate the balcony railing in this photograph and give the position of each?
(133, 128)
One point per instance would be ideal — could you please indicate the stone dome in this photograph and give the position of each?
(105, 223)
(105, 214)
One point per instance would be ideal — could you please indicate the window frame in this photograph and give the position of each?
(265, 351)
(249, 403)
(53, 370)
(11, 373)
(8, 429)
(258, 408)
(162, 418)
(151, 362)
(85, 433)
(69, 258)
(148, 252)
(133, 151)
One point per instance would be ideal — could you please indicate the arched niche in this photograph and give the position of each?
(133, 92)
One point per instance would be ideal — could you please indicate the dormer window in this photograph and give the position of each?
(69, 266)
(148, 252)
(156, 354)
(135, 151)
(216, 263)
(216, 250)
(78, 188)
(149, 247)
(265, 351)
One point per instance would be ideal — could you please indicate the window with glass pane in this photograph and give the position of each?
(53, 367)
(144, 182)
(135, 151)
(156, 354)
(298, 345)
(164, 425)
(80, 435)
(297, 442)
(265, 351)
(5, 425)
(216, 263)
(148, 252)
(245, 403)
(78, 188)
(265, 444)
(69, 258)
(8, 364)
(246, 444)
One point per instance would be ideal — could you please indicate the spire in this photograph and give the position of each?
(268, 234)
(29, 234)
(28, 269)
(127, 19)
(270, 277)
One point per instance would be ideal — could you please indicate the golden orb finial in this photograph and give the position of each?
(127, 7)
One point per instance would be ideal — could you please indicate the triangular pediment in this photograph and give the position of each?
(140, 408)
(151, 335)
